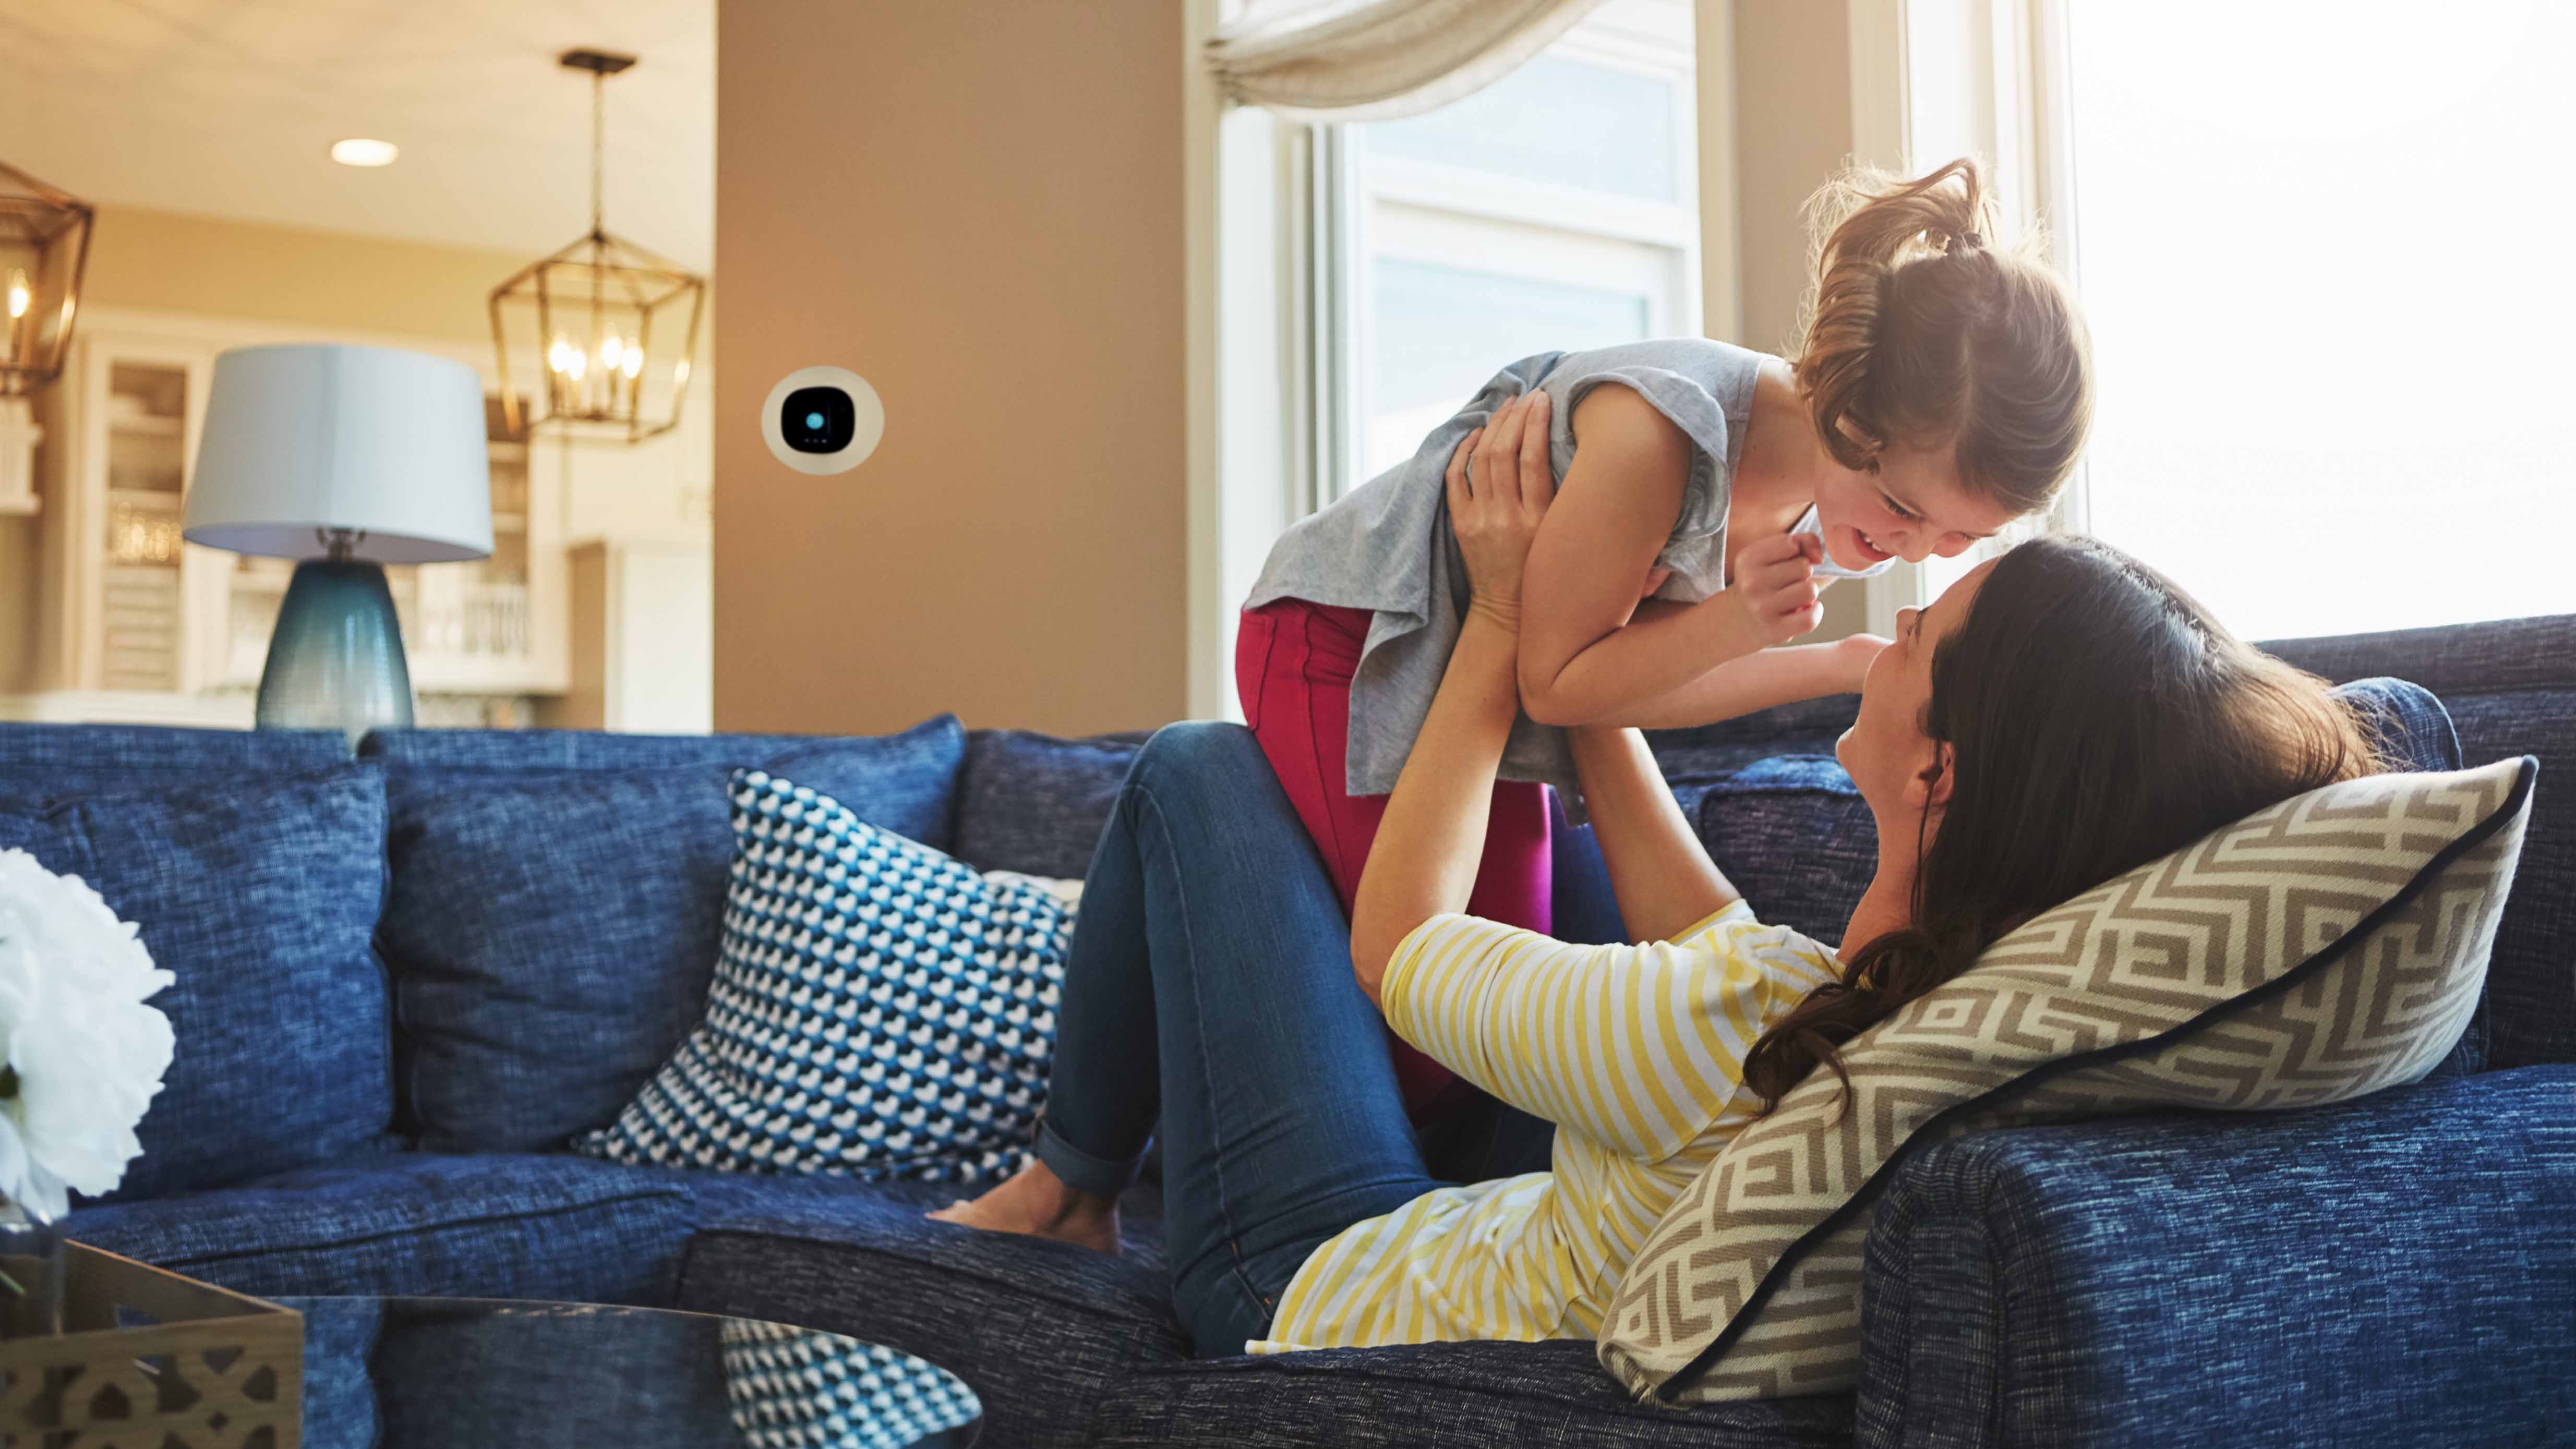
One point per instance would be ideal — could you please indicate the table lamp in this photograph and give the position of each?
(346, 459)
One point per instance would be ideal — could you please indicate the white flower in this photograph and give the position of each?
(83, 1052)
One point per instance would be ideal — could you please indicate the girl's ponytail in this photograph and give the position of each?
(1923, 330)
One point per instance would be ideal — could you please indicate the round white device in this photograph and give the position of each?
(822, 420)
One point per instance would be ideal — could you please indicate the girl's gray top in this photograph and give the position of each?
(1387, 546)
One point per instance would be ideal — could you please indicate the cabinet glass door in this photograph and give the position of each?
(147, 425)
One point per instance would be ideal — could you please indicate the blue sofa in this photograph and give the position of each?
(409, 976)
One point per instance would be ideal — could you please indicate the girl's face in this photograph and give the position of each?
(1912, 508)
(1901, 770)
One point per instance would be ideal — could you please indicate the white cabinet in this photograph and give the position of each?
(643, 639)
(132, 623)
(121, 425)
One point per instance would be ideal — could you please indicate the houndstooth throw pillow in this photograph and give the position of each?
(879, 1010)
(2317, 950)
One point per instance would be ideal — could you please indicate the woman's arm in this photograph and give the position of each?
(1582, 660)
(1665, 882)
(1423, 862)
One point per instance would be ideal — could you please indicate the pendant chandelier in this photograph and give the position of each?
(44, 246)
(613, 325)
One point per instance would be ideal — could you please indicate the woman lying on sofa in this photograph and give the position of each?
(2060, 716)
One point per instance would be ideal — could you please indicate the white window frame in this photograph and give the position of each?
(1270, 215)
(1351, 205)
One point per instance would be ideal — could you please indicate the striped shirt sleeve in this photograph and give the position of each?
(1637, 1047)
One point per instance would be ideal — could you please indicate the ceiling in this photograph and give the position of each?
(229, 108)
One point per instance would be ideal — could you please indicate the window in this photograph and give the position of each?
(1556, 209)
(2318, 248)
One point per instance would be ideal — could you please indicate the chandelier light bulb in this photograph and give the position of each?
(634, 362)
(364, 151)
(19, 295)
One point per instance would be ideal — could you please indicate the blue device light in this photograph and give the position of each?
(814, 421)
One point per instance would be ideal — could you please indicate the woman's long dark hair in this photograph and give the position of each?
(2098, 718)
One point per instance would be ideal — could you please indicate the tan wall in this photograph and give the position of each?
(1791, 127)
(208, 266)
(984, 220)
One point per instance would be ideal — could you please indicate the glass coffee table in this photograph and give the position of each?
(449, 1373)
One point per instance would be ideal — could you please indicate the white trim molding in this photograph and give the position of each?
(1934, 79)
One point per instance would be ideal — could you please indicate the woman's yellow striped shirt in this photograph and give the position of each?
(1636, 1053)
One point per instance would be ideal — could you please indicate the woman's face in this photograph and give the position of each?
(1886, 751)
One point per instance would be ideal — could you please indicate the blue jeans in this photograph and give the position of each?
(1210, 930)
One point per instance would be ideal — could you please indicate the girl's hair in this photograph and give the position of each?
(2098, 718)
(1926, 329)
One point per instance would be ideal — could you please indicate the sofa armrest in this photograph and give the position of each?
(2400, 1269)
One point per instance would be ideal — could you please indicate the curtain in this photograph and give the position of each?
(1378, 60)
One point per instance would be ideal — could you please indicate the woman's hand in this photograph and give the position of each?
(1433, 833)
(1499, 487)
(1775, 584)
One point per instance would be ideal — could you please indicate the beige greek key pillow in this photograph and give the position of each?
(2317, 950)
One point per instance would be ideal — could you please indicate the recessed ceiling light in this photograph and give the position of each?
(359, 151)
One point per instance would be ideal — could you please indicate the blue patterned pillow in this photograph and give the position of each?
(793, 1388)
(879, 1010)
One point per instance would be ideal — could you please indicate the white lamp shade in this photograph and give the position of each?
(303, 438)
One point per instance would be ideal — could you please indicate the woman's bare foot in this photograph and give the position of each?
(1036, 1202)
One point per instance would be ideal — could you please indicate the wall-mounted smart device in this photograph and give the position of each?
(822, 420)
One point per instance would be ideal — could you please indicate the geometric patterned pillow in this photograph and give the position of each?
(793, 1388)
(879, 1010)
(2317, 950)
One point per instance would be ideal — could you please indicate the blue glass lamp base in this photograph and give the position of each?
(336, 660)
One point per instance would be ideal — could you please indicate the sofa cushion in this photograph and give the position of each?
(1034, 803)
(62, 759)
(552, 930)
(2531, 987)
(933, 743)
(418, 1224)
(2316, 950)
(1701, 754)
(1457, 1395)
(1793, 835)
(1040, 1330)
(879, 1009)
(259, 895)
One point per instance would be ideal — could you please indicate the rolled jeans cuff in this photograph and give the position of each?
(1081, 1171)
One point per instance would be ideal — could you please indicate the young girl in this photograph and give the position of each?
(1942, 390)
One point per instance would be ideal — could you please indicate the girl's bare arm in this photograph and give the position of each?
(1760, 680)
(1582, 658)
